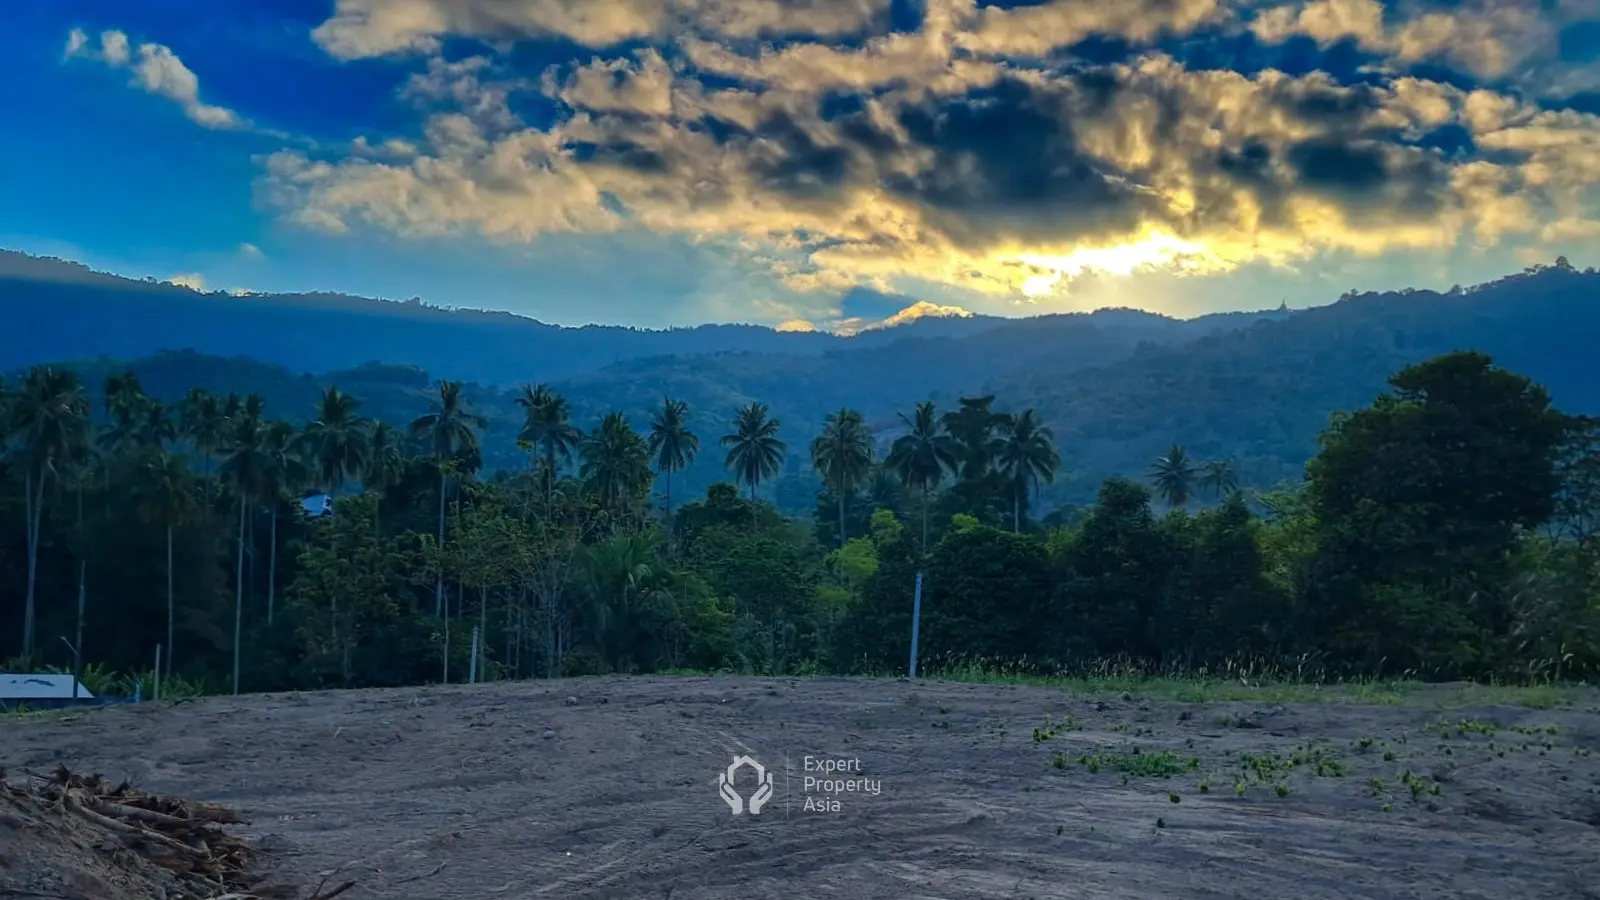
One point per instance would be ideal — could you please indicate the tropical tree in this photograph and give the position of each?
(973, 427)
(624, 578)
(385, 465)
(922, 456)
(164, 495)
(203, 421)
(283, 476)
(1026, 455)
(450, 430)
(1174, 477)
(156, 427)
(616, 463)
(672, 445)
(547, 428)
(1217, 477)
(124, 404)
(50, 422)
(754, 451)
(245, 466)
(335, 445)
(842, 455)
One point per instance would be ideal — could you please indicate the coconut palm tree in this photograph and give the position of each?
(245, 465)
(1217, 477)
(50, 422)
(156, 427)
(622, 574)
(386, 465)
(1026, 456)
(547, 428)
(923, 455)
(754, 451)
(124, 404)
(164, 495)
(449, 431)
(1174, 477)
(842, 455)
(334, 445)
(202, 420)
(973, 428)
(672, 444)
(283, 476)
(616, 462)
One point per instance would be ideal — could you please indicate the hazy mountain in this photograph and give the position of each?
(59, 310)
(1118, 387)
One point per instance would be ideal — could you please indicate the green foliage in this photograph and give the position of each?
(1444, 531)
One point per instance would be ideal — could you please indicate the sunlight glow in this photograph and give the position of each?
(1154, 249)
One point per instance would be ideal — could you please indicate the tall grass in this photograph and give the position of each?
(1302, 680)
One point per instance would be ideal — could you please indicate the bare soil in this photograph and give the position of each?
(608, 787)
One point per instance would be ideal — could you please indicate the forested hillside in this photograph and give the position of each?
(56, 310)
(1255, 391)
(1445, 531)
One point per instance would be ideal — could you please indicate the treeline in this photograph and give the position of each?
(1445, 531)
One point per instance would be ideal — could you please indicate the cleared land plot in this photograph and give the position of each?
(515, 790)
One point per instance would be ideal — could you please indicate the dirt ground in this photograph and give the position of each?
(609, 788)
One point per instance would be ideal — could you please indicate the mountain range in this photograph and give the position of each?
(1116, 386)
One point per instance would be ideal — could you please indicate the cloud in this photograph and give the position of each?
(194, 281)
(251, 251)
(156, 70)
(367, 28)
(972, 153)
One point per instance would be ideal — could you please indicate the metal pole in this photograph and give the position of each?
(77, 666)
(157, 685)
(472, 672)
(916, 624)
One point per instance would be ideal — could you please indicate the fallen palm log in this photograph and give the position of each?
(91, 832)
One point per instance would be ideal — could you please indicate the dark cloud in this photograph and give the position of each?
(1004, 164)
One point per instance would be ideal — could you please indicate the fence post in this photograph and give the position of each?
(157, 685)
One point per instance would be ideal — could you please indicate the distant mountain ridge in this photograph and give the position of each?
(60, 310)
(1116, 387)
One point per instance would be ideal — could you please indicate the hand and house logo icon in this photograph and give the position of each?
(735, 801)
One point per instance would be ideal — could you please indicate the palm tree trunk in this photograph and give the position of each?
(446, 678)
(172, 608)
(438, 588)
(841, 519)
(272, 568)
(669, 511)
(924, 520)
(549, 481)
(483, 628)
(1016, 512)
(238, 597)
(83, 590)
(34, 506)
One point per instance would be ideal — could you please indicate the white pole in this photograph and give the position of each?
(472, 674)
(916, 624)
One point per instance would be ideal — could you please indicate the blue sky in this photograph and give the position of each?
(806, 162)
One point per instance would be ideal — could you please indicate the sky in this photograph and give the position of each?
(805, 163)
